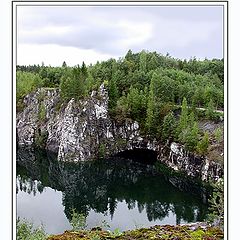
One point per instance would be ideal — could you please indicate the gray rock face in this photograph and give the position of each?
(83, 130)
(192, 165)
(80, 130)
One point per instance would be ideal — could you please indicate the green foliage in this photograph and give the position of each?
(116, 233)
(217, 204)
(73, 84)
(113, 92)
(143, 61)
(197, 234)
(42, 112)
(26, 231)
(191, 137)
(168, 127)
(78, 221)
(210, 114)
(202, 146)
(122, 111)
(64, 64)
(142, 86)
(136, 102)
(150, 109)
(218, 134)
(41, 137)
(183, 121)
(26, 82)
(101, 150)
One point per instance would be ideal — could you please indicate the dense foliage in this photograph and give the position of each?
(146, 86)
(26, 231)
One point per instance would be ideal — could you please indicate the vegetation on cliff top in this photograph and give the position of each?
(147, 87)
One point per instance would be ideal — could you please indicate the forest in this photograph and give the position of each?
(162, 93)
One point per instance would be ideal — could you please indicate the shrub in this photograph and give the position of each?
(101, 150)
(78, 221)
(25, 231)
(218, 134)
(217, 204)
(42, 113)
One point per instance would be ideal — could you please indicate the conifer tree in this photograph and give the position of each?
(143, 61)
(202, 146)
(183, 121)
(150, 107)
(113, 92)
(191, 140)
(168, 126)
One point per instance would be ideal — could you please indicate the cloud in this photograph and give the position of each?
(114, 30)
(54, 55)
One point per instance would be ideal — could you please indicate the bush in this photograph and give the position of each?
(41, 138)
(217, 204)
(25, 231)
(78, 221)
(101, 150)
(42, 113)
(26, 83)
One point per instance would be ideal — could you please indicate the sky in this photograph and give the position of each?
(53, 34)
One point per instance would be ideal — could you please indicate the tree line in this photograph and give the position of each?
(147, 87)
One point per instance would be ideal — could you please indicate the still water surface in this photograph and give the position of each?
(124, 193)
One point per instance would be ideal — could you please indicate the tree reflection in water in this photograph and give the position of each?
(100, 185)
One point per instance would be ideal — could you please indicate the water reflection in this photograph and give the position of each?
(100, 187)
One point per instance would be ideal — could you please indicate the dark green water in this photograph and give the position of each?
(124, 193)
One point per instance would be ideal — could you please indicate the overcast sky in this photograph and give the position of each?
(53, 34)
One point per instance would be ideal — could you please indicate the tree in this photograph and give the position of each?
(64, 64)
(150, 107)
(84, 70)
(168, 126)
(129, 55)
(112, 92)
(210, 112)
(218, 134)
(202, 146)
(143, 61)
(153, 62)
(73, 85)
(183, 120)
(191, 137)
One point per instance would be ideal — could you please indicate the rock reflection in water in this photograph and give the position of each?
(99, 186)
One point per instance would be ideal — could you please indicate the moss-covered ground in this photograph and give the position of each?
(156, 232)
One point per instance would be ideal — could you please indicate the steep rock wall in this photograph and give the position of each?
(83, 130)
(177, 158)
(80, 130)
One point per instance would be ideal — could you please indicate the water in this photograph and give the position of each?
(124, 193)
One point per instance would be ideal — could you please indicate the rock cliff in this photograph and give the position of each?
(79, 130)
(83, 130)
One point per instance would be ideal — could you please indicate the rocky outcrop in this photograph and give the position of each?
(83, 130)
(194, 166)
(79, 130)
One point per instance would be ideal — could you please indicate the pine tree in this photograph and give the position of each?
(112, 92)
(153, 62)
(150, 108)
(84, 70)
(210, 110)
(64, 64)
(168, 126)
(191, 139)
(202, 146)
(143, 61)
(183, 121)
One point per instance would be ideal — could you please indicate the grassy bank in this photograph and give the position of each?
(196, 232)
